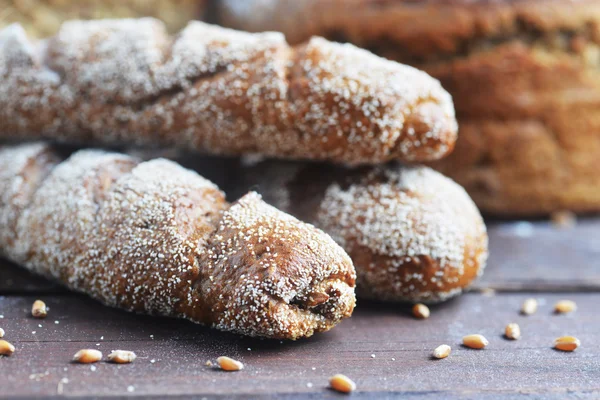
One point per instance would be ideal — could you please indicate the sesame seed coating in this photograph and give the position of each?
(221, 91)
(413, 234)
(156, 238)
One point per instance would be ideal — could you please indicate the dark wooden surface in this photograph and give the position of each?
(528, 259)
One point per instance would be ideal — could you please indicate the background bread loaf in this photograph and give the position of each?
(153, 237)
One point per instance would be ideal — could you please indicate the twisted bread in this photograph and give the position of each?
(221, 91)
(413, 234)
(153, 237)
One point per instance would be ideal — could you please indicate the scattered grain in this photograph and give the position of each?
(342, 383)
(563, 219)
(421, 311)
(442, 351)
(122, 356)
(529, 306)
(512, 331)
(6, 349)
(208, 363)
(566, 343)
(87, 356)
(488, 292)
(565, 306)
(229, 364)
(475, 341)
(1, 333)
(39, 309)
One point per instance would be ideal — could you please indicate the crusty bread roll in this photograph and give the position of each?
(42, 18)
(413, 234)
(222, 91)
(153, 237)
(523, 74)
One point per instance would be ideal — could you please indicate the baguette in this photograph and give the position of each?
(413, 234)
(211, 89)
(156, 238)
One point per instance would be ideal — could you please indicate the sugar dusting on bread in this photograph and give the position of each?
(154, 237)
(219, 90)
(407, 219)
(19, 177)
(316, 288)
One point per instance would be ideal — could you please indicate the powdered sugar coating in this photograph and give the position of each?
(213, 89)
(413, 234)
(305, 289)
(154, 237)
(60, 220)
(153, 224)
(20, 175)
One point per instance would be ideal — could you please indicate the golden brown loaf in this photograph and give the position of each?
(156, 238)
(42, 18)
(523, 75)
(413, 234)
(220, 91)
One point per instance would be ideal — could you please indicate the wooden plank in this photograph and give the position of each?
(523, 256)
(540, 256)
(14, 280)
(400, 344)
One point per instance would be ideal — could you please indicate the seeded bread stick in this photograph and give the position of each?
(413, 234)
(155, 238)
(211, 89)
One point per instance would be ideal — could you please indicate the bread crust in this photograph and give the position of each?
(413, 234)
(21, 173)
(220, 91)
(524, 79)
(153, 237)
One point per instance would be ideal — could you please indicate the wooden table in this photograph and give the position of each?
(384, 349)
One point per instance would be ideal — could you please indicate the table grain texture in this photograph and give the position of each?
(382, 347)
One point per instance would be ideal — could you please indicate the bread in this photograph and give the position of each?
(413, 234)
(211, 89)
(42, 18)
(156, 238)
(523, 75)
